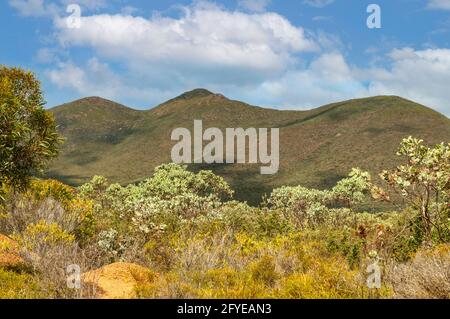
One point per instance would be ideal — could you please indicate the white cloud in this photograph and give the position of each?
(158, 57)
(439, 4)
(28, 8)
(205, 39)
(326, 79)
(67, 75)
(168, 55)
(422, 76)
(254, 5)
(318, 3)
(129, 10)
(322, 18)
(96, 78)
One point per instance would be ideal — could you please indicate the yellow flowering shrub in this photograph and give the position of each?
(42, 189)
(43, 233)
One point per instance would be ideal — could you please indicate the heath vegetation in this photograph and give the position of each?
(188, 238)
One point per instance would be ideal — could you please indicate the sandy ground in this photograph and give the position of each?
(9, 256)
(116, 281)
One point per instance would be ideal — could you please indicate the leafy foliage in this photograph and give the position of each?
(352, 190)
(424, 182)
(199, 243)
(28, 137)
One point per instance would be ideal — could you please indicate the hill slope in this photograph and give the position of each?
(317, 147)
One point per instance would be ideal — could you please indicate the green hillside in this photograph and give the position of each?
(317, 147)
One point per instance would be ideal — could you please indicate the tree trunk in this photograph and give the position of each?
(426, 226)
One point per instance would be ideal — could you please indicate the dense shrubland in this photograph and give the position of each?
(197, 242)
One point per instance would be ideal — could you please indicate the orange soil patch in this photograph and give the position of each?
(118, 280)
(9, 255)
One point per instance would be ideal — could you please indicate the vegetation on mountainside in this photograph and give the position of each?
(180, 234)
(317, 147)
(197, 242)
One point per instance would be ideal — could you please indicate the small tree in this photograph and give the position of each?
(171, 180)
(352, 190)
(28, 137)
(424, 182)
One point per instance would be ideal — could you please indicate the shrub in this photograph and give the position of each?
(49, 250)
(44, 189)
(264, 270)
(19, 286)
(28, 137)
(426, 276)
(43, 233)
(171, 180)
(424, 183)
(352, 190)
(51, 202)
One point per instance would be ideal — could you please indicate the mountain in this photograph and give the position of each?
(317, 147)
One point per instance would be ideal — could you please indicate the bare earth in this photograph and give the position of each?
(116, 281)
(9, 255)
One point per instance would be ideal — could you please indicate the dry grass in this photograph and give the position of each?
(426, 276)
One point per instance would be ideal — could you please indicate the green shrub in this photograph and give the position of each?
(264, 270)
(19, 286)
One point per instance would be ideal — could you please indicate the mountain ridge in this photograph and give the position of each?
(317, 146)
(202, 93)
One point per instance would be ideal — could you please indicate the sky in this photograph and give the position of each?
(290, 54)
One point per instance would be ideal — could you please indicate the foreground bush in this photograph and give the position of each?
(427, 275)
(191, 240)
(28, 136)
(14, 285)
(229, 265)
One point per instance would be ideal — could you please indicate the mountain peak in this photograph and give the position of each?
(94, 100)
(194, 94)
(92, 104)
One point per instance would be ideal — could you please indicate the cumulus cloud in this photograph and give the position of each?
(194, 42)
(326, 79)
(96, 78)
(151, 59)
(129, 10)
(439, 4)
(88, 80)
(169, 55)
(46, 56)
(87, 4)
(420, 75)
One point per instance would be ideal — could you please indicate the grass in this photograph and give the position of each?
(14, 285)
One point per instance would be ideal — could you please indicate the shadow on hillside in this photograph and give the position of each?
(72, 180)
(248, 184)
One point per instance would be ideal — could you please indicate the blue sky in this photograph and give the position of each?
(286, 54)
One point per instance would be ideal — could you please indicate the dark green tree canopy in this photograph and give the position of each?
(28, 136)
